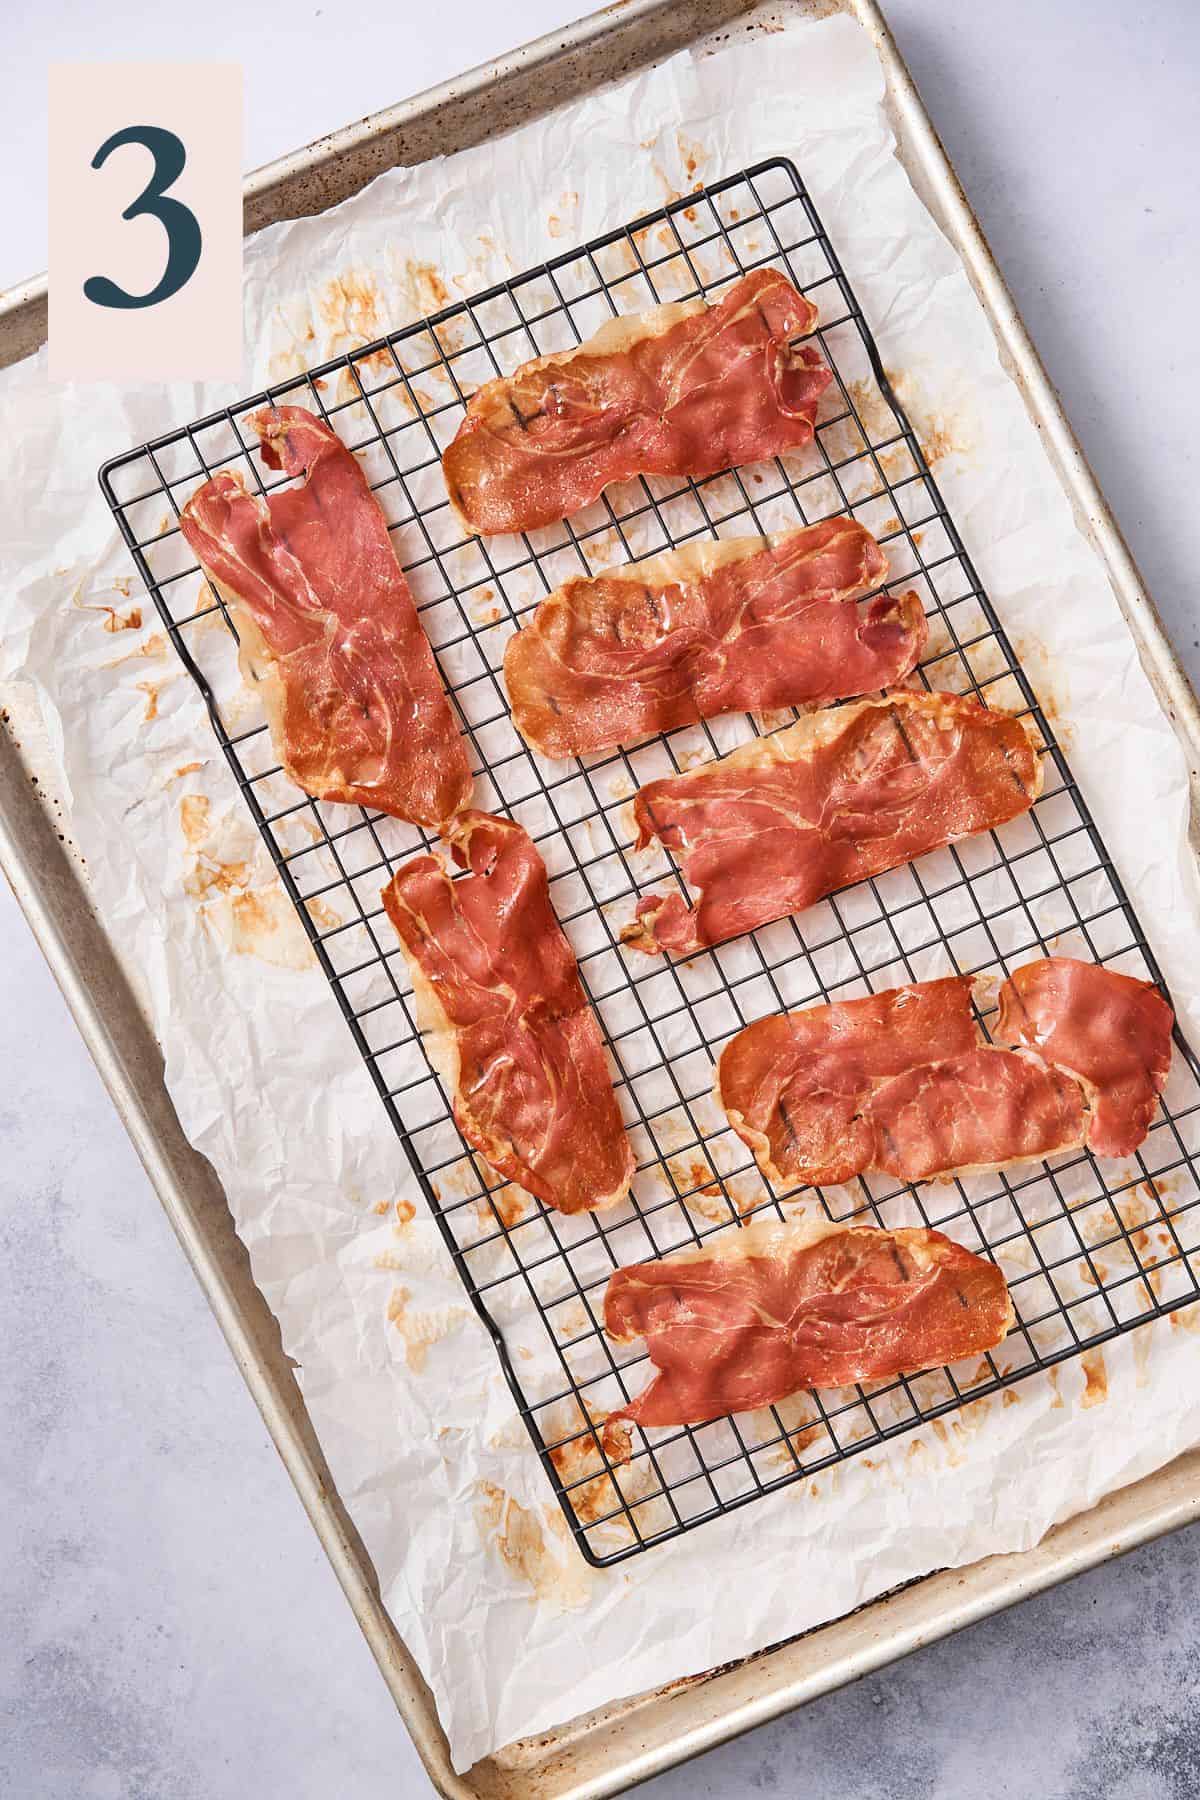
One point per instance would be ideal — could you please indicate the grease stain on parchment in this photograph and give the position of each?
(693, 157)
(419, 1331)
(484, 608)
(153, 646)
(423, 287)
(1048, 679)
(151, 691)
(111, 619)
(580, 1467)
(941, 433)
(950, 1439)
(322, 915)
(535, 1547)
(482, 267)
(346, 311)
(250, 917)
(1095, 1377)
(349, 306)
(509, 1204)
(563, 220)
(802, 1428)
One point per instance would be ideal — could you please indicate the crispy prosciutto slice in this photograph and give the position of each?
(740, 625)
(902, 1082)
(757, 1313)
(328, 631)
(685, 389)
(1113, 1033)
(843, 794)
(504, 1017)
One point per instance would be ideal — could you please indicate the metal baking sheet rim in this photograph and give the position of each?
(610, 1750)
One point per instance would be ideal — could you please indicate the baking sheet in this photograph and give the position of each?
(412, 1413)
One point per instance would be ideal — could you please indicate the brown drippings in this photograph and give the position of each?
(1011, 1396)
(420, 1331)
(710, 1204)
(382, 1207)
(693, 1175)
(406, 1212)
(193, 817)
(1036, 658)
(693, 155)
(669, 192)
(1095, 1377)
(520, 1537)
(424, 288)
(509, 1204)
(949, 1441)
(580, 1461)
(940, 439)
(322, 915)
(804, 1440)
(186, 769)
(112, 620)
(1052, 1374)
(150, 689)
(487, 610)
(349, 303)
(1093, 1274)
(264, 925)
(563, 221)
(216, 877)
(253, 921)
(1137, 1207)
(872, 412)
(1186, 1318)
(154, 645)
(571, 1319)
(616, 1435)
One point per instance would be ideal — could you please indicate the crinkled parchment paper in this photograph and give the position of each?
(512, 1630)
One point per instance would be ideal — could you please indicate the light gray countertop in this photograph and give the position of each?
(171, 1627)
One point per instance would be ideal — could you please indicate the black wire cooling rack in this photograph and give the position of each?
(1088, 1249)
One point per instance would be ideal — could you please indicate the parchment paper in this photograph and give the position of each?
(511, 1629)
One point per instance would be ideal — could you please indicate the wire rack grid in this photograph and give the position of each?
(1088, 1249)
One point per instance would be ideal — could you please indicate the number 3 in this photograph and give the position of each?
(178, 221)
